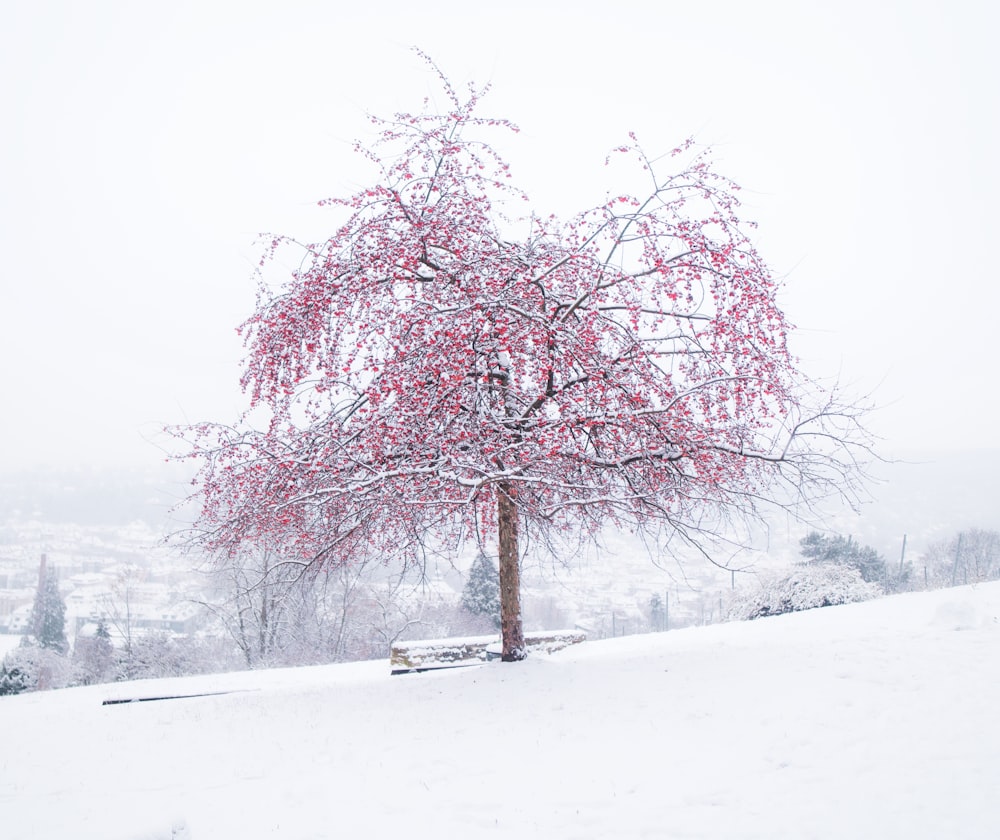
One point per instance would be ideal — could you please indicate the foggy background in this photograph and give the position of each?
(146, 146)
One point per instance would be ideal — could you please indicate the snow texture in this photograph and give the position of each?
(873, 719)
(804, 588)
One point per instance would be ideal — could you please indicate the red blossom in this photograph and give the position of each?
(628, 364)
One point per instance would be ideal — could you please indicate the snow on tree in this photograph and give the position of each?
(657, 612)
(844, 551)
(441, 369)
(17, 675)
(40, 661)
(48, 613)
(93, 656)
(31, 667)
(481, 594)
(972, 556)
(804, 588)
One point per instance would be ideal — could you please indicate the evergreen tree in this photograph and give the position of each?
(481, 595)
(657, 614)
(13, 678)
(844, 551)
(48, 615)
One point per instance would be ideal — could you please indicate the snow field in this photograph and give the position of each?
(867, 720)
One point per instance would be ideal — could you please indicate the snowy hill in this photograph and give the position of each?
(868, 720)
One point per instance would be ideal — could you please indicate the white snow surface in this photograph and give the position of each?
(867, 720)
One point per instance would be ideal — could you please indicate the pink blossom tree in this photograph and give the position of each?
(442, 368)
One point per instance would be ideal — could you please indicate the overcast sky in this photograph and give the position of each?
(144, 145)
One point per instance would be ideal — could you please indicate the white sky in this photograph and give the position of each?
(145, 145)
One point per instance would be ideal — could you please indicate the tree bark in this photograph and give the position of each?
(511, 632)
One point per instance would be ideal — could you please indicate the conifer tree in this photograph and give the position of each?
(13, 679)
(443, 365)
(94, 657)
(48, 615)
(481, 595)
(844, 551)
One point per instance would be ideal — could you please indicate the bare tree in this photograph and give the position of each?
(971, 556)
(119, 606)
(256, 592)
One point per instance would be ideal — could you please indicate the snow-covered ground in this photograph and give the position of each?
(869, 720)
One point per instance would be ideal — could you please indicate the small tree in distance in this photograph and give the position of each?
(94, 656)
(48, 613)
(481, 595)
(844, 551)
(440, 369)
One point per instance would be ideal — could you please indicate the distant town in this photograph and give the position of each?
(126, 576)
(103, 537)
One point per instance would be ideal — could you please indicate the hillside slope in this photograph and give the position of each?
(873, 720)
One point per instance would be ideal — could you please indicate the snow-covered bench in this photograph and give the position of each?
(430, 654)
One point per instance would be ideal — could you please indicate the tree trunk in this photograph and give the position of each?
(511, 631)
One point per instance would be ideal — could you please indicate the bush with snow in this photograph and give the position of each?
(803, 588)
(31, 667)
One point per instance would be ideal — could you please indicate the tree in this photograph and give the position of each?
(48, 613)
(257, 597)
(844, 551)
(93, 656)
(31, 667)
(157, 654)
(972, 556)
(119, 605)
(439, 369)
(657, 613)
(481, 594)
(282, 613)
(16, 676)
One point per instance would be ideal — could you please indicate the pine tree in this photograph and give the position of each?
(844, 551)
(104, 634)
(13, 679)
(481, 595)
(656, 612)
(48, 615)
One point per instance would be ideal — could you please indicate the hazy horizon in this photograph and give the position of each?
(147, 148)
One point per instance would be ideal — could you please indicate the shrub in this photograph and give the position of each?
(803, 588)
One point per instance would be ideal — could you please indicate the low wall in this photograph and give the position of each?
(428, 654)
